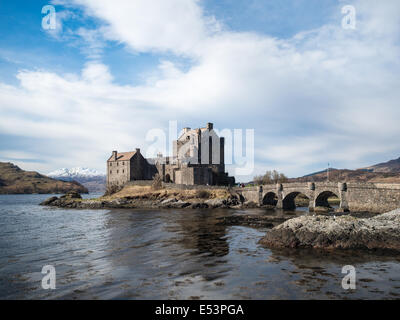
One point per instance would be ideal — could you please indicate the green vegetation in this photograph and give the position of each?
(14, 180)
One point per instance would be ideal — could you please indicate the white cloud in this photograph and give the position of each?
(177, 26)
(93, 42)
(325, 95)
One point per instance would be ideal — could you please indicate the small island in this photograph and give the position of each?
(14, 180)
(151, 196)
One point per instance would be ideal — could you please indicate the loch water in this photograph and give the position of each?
(170, 254)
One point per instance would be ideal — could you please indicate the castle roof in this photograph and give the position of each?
(123, 156)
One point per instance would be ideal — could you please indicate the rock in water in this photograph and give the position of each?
(71, 195)
(48, 201)
(216, 203)
(345, 232)
(321, 210)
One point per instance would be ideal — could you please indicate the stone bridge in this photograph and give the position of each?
(374, 197)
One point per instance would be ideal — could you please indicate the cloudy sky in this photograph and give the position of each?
(112, 71)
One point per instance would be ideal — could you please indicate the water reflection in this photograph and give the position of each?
(200, 232)
(170, 254)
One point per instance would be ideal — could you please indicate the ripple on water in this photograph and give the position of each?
(175, 254)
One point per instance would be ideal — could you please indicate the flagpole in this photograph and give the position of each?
(327, 172)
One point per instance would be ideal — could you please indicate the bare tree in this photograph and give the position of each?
(270, 177)
(157, 182)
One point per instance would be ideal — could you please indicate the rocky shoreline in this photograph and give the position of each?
(343, 232)
(74, 200)
(255, 221)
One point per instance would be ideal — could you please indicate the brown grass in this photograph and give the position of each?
(148, 192)
(203, 194)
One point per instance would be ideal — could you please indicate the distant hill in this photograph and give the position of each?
(319, 172)
(14, 180)
(388, 172)
(93, 180)
(390, 166)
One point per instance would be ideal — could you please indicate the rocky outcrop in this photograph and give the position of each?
(216, 203)
(71, 195)
(49, 201)
(344, 232)
(74, 200)
(256, 221)
(70, 199)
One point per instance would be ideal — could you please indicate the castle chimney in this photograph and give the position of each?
(114, 155)
(138, 150)
(210, 126)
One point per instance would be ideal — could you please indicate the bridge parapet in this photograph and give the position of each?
(369, 185)
(376, 197)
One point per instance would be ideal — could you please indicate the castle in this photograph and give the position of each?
(198, 159)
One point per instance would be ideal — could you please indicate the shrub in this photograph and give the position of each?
(112, 189)
(157, 182)
(203, 194)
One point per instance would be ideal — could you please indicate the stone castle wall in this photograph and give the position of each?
(118, 173)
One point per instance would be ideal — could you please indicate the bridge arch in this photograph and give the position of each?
(270, 198)
(239, 197)
(322, 199)
(289, 203)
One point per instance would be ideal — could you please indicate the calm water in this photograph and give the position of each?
(168, 254)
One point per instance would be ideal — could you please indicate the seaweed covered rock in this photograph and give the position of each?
(344, 232)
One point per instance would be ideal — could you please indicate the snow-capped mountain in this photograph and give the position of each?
(92, 179)
(75, 172)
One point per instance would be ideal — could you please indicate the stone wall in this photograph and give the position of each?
(184, 176)
(192, 187)
(373, 197)
(144, 183)
(141, 183)
(353, 196)
(118, 173)
(140, 169)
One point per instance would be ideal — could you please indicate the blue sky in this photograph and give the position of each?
(312, 91)
(24, 44)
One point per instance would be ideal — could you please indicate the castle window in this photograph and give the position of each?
(117, 171)
(123, 171)
(123, 163)
(117, 164)
(110, 171)
(110, 164)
